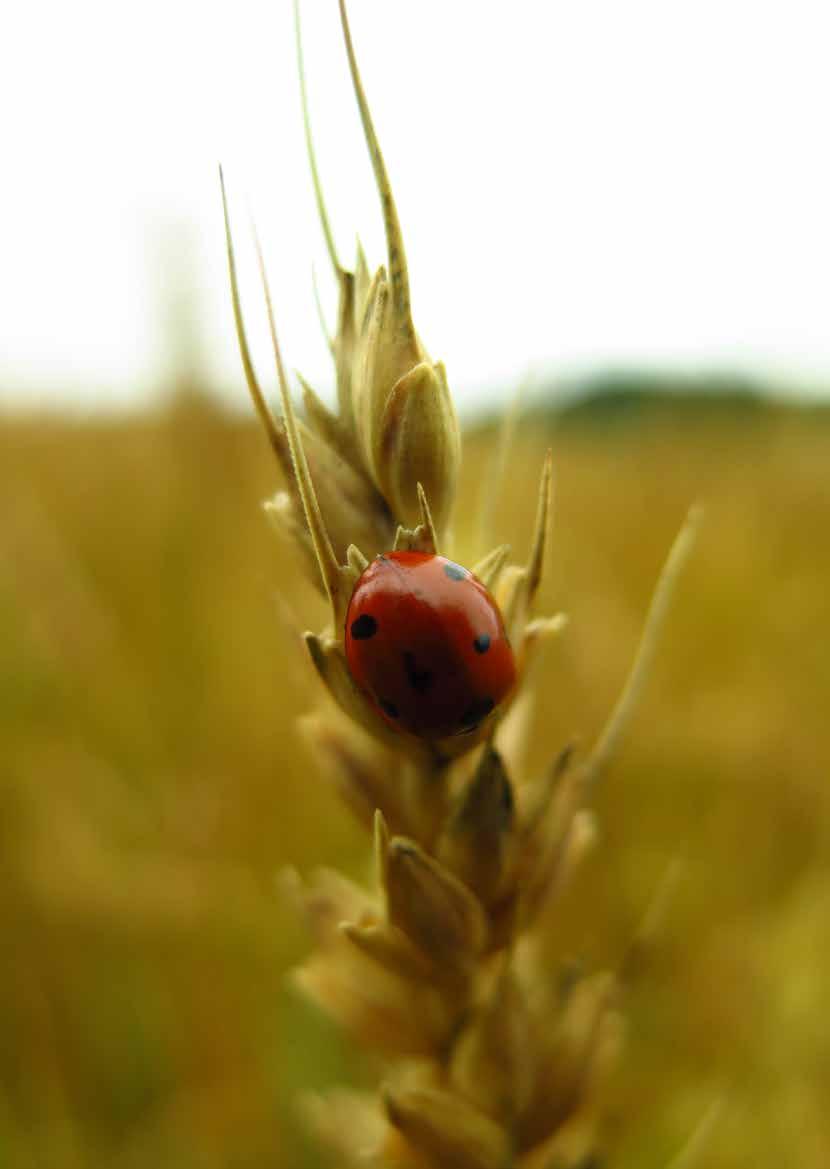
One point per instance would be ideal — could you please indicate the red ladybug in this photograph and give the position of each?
(426, 643)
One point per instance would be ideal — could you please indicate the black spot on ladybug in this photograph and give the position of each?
(388, 708)
(364, 627)
(455, 571)
(482, 643)
(474, 714)
(419, 680)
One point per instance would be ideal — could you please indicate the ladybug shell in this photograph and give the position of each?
(426, 643)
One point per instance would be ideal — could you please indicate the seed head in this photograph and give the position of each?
(492, 1064)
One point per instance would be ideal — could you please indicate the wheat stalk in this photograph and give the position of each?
(492, 1062)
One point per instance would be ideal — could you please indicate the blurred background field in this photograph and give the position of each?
(597, 208)
(153, 783)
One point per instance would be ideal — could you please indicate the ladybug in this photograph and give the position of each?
(425, 642)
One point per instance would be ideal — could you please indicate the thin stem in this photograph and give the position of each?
(329, 567)
(321, 316)
(398, 271)
(309, 142)
(611, 734)
(263, 410)
(540, 534)
(493, 483)
(695, 1146)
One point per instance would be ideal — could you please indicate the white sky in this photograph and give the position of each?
(580, 184)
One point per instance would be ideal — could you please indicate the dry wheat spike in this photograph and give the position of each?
(493, 1062)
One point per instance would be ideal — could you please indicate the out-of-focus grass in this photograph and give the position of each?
(152, 783)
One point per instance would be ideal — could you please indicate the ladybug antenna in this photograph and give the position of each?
(540, 534)
(398, 271)
(329, 568)
(620, 716)
(265, 416)
(309, 142)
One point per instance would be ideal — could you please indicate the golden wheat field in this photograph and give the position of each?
(153, 783)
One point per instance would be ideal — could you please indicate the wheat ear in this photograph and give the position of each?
(492, 1062)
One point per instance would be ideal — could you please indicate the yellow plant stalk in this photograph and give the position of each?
(491, 1064)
